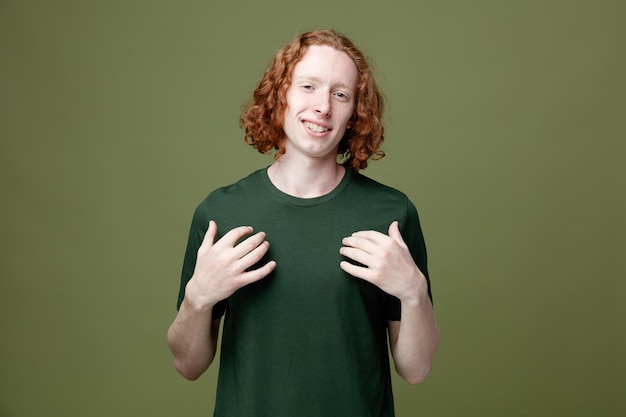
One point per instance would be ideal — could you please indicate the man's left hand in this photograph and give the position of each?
(387, 262)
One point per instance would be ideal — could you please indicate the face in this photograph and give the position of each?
(320, 103)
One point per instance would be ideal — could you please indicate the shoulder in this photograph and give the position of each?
(368, 186)
(231, 195)
(236, 189)
(380, 198)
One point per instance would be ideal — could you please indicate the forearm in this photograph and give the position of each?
(414, 340)
(192, 339)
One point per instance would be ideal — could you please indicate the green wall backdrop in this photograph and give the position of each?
(506, 126)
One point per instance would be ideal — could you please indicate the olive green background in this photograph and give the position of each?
(506, 124)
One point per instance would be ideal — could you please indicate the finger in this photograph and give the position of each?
(394, 233)
(254, 255)
(372, 235)
(362, 243)
(356, 254)
(234, 235)
(249, 244)
(209, 236)
(356, 271)
(258, 274)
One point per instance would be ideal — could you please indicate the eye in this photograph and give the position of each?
(307, 87)
(341, 95)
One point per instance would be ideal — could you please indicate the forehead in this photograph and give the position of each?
(328, 65)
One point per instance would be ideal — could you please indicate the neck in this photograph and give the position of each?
(305, 179)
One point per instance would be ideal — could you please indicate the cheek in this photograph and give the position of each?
(348, 118)
(293, 99)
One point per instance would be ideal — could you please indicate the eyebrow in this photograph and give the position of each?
(319, 80)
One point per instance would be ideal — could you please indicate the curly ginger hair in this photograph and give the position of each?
(263, 119)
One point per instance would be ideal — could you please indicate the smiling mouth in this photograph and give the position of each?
(316, 128)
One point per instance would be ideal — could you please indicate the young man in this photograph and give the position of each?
(307, 318)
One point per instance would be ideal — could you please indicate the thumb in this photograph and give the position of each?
(394, 232)
(209, 236)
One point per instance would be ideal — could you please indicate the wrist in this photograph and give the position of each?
(197, 301)
(417, 294)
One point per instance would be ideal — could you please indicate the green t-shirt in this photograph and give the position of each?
(309, 339)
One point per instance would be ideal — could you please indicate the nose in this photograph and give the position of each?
(322, 104)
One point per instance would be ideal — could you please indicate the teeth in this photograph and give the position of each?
(315, 128)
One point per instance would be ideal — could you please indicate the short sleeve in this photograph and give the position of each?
(414, 238)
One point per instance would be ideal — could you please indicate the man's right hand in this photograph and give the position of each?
(222, 266)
